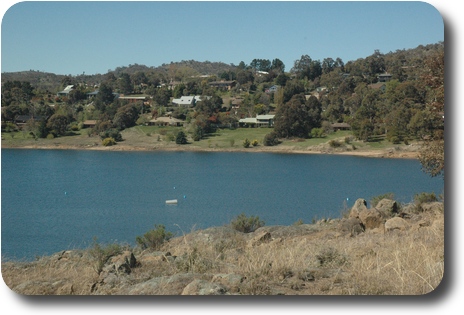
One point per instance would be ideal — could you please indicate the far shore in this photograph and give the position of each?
(374, 153)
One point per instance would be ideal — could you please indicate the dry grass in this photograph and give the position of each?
(323, 262)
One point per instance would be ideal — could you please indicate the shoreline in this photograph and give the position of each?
(381, 153)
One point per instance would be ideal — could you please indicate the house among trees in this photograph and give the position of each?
(340, 126)
(385, 77)
(272, 89)
(259, 121)
(89, 123)
(66, 91)
(23, 119)
(378, 86)
(133, 98)
(186, 101)
(224, 85)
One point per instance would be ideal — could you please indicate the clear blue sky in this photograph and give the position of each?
(94, 37)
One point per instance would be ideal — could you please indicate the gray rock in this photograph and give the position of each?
(359, 205)
(396, 223)
(203, 287)
(388, 207)
(371, 218)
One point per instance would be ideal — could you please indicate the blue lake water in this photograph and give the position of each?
(53, 200)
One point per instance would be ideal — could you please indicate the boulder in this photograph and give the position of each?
(371, 218)
(203, 287)
(229, 280)
(260, 238)
(396, 223)
(358, 206)
(388, 207)
(353, 226)
(433, 207)
(122, 264)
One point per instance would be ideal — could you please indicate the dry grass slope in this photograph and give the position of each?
(305, 259)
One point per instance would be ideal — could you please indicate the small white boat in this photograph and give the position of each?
(171, 202)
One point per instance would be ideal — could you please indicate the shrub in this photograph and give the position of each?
(245, 224)
(335, 143)
(111, 133)
(181, 138)
(170, 137)
(246, 143)
(254, 143)
(271, 139)
(101, 254)
(153, 239)
(232, 142)
(421, 198)
(108, 142)
(317, 133)
(330, 257)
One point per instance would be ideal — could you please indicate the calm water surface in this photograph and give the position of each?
(61, 199)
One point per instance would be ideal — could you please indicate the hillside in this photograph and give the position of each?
(388, 250)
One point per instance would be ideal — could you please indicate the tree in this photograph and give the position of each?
(302, 66)
(58, 124)
(126, 116)
(104, 97)
(277, 66)
(292, 119)
(432, 154)
(125, 84)
(181, 138)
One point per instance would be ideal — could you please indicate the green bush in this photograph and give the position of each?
(423, 197)
(181, 138)
(271, 139)
(108, 142)
(153, 239)
(170, 137)
(335, 143)
(50, 136)
(111, 133)
(317, 133)
(101, 254)
(246, 143)
(254, 143)
(245, 224)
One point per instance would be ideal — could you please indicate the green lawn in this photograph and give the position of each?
(150, 136)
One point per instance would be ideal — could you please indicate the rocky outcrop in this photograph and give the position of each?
(388, 207)
(222, 261)
(396, 223)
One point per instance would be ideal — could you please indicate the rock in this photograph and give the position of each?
(203, 287)
(60, 287)
(371, 218)
(260, 238)
(124, 262)
(388, 207)
(166, 285)
(396, 223)
(359, 205)
(433, 207)
(230, 280)
(353, 226)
